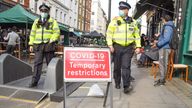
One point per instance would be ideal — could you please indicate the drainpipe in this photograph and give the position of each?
(109, 11)
(84, 29)
(36, 5)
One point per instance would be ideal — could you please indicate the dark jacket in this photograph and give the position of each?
(163, 41)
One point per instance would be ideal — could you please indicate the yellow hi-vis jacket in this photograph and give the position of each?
(117, 33)
(41, 34)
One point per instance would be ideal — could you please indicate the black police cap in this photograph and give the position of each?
(123, 5)
(44, 7)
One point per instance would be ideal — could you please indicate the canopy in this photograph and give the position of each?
(141, 8)
(63, 27)
(93, 34)
(77, 34)
(143, 5)
(17, 14)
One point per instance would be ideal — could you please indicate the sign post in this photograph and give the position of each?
(83, 64)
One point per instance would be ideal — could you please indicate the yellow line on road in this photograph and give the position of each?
(4, 97)
(46, 106)
(24, 100)
(40, 105)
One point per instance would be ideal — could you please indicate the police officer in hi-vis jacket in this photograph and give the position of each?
(44, 33)
(123, 39)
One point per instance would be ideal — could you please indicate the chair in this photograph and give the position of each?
(59, 50)
(154, 68)
(173, 66)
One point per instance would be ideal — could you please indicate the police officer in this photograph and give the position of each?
(44, 33)
(123, 38)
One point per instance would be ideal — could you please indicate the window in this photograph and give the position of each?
(61, 16)
(56, 13)
(21, 1)
(64, 17)
(69, 21)
(92, 22)
(74, 21)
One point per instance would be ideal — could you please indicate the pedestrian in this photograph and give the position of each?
(142, 40)
(44, 33)
(164, 48)
(123, 38)
(12, 38)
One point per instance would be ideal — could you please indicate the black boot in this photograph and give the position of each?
(132, 78)
(117, 86)
(128, 89)
(159, 82)
(33, 84)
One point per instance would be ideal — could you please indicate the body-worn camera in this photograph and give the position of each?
(128, 20)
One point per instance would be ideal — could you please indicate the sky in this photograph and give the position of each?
(114, 6)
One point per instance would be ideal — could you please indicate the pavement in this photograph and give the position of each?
(175, 94)
(144, 94)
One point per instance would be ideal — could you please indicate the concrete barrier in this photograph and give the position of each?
(54, 75)
(11, 69)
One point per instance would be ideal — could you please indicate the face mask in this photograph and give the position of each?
(121, 13)
(44, 15)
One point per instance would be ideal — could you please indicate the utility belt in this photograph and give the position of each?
(45, 47)
(131, 44)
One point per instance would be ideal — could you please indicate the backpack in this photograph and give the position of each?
(174, 41)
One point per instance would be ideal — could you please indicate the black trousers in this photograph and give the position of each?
(10, 49)
(122, 63)
(40, 53)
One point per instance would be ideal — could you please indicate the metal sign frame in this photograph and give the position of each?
(109, 89)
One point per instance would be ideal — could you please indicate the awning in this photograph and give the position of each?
(17, 14)
(77, 34)
(143, 5)
(63, 27)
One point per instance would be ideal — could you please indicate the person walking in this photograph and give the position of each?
(122, 39)
(44, 33)
(164, 48)
(12, 38)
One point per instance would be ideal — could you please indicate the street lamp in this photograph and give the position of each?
(109, 11)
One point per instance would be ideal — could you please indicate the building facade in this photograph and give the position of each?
(6, 4)
(84, 15)
(98, 17)
(72, 15)
(154, 10)
(58, 10)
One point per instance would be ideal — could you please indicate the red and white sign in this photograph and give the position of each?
(83, 64)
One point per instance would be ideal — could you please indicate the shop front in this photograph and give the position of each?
(185, 56)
